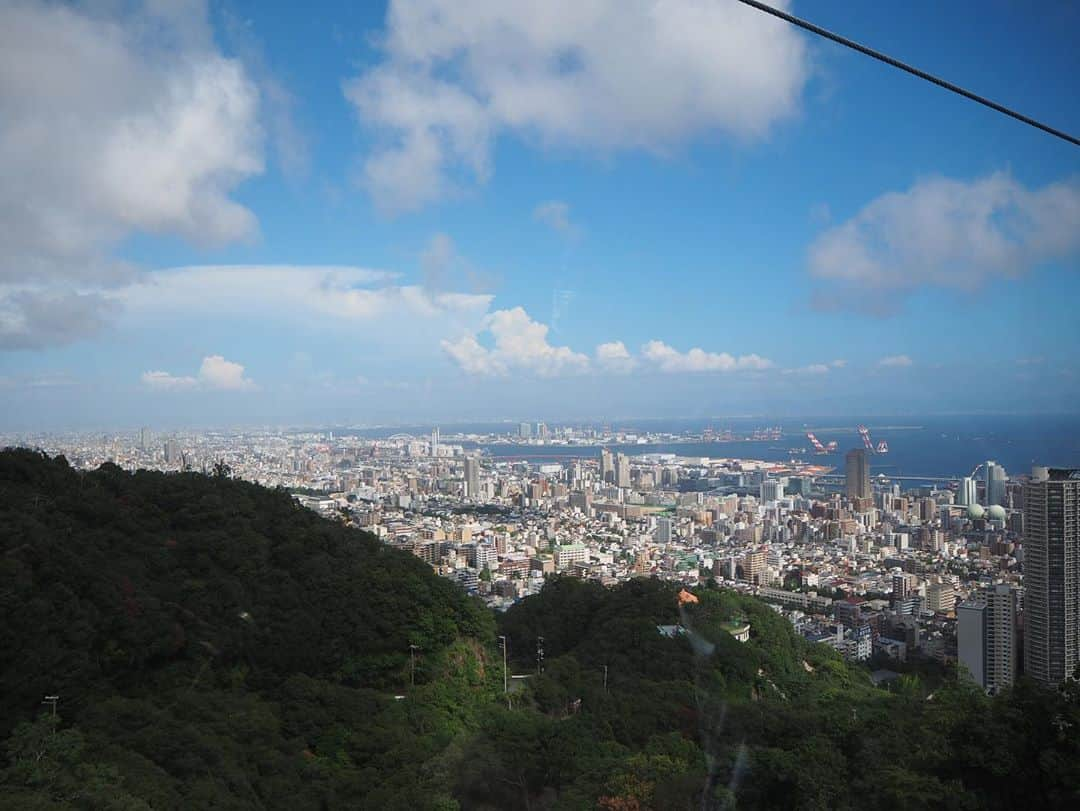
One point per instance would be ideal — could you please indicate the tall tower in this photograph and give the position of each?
(968, 493)
(987, 637)
(607, 466)
(435, 441)
(858, 474)
(472, 477)
(622, 470)
(995, 484)
(1052, 574)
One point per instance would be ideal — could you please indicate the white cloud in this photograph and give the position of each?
(556, 215)
(614, 357)
(218, 373)
(163, 381)
(32, 317)
(839, 363)
(812, 369)
(944, 233)
(118, 119)
(519, 344)
(338, 294)
(669, 359)
(215, 373)
(601, 75)
(896, 361)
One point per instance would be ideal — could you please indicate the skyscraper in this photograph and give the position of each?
(995, 484)
(472, 477)
(144, 439)
(664, 527)
(968, 493)
(858, 474)
(1052, 574)
(622, 470)
(770, 490)
(607, 466)
(524, 430)
(435, 441)
(986, 636)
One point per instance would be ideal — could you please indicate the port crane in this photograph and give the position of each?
(868, 443)
(818, 447)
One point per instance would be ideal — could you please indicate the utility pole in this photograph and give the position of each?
(52, 701)
(506, 687)
(412, 665)
(605, 678)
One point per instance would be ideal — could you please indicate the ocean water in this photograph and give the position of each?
(918, 447)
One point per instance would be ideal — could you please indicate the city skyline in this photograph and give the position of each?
(403, 221)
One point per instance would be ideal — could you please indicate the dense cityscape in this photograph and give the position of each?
(853, 560)
(621, 405)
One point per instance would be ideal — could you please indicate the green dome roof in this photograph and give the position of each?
(975, 511)
(996, 512)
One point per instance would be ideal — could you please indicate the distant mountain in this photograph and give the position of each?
(213, 645)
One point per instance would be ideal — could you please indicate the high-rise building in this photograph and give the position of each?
(903, 584)
(940, 597)
(1052, 574)
(472, 477)
(622, 470)
(664, 528)
(754, 563)
(770, 490)
(995, 484)
(968, 493)
(971, 637)
(607, 466)
(172, 451)
(987, 637)
(484, 556)
(858, 474)
(524, 430)
(435, 441)
(144, 439)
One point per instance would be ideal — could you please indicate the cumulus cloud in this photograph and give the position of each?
(518, 344)
(669, 359)
(944, 233)
(602, 75)
(896, 362)
(556, 215)
(615, 357)
(215, 373)
(114, 119)
(521, 344)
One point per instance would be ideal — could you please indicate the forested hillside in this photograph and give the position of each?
(216, 646)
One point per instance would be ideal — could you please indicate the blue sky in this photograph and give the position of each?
(244, 212)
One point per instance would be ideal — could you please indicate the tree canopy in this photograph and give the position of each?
(214, 645)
